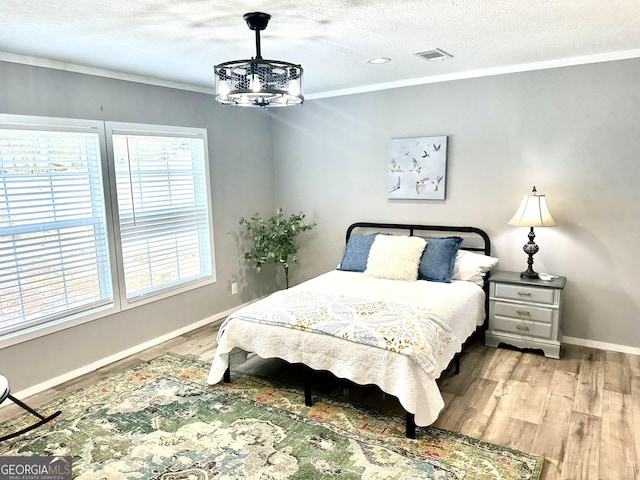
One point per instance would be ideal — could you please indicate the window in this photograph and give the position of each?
(67, 239)
(163, 208)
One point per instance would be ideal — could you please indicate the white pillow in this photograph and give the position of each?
(395, 257)
(472, 266)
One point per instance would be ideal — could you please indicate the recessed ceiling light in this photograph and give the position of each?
(378, 60)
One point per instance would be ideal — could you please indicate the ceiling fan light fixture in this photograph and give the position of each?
(258, 82)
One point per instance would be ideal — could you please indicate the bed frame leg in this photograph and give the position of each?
(457, 364)
(307, 389)
(226, 378)
(411, 426)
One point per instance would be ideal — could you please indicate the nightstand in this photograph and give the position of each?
(525, 313)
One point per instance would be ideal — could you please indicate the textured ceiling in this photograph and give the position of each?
(177, 42)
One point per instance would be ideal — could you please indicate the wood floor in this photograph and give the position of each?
(582, 411)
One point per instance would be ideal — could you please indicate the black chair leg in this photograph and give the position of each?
(25, 406)
(42, 418)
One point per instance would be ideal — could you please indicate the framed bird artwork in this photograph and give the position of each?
(417, 168)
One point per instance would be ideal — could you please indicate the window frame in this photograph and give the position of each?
(105, 129)
(155, 130)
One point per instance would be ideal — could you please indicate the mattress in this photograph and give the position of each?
(460, 304)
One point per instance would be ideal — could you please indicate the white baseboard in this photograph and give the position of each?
(27, 392)
(601, 345)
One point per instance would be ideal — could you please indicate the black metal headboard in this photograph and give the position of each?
(485, 246)
(483, 243)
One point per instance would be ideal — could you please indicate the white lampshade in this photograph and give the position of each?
(533, 212)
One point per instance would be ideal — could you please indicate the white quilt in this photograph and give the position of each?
(460, 305)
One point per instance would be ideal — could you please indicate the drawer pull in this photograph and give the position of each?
(524, 293)
(524, 328)
(523, 313)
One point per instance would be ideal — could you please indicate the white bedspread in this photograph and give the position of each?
(460, 304)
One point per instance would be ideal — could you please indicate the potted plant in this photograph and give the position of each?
(274, 239)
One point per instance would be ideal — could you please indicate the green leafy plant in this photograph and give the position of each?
(274, 240)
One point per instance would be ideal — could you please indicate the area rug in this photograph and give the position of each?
(161, 421)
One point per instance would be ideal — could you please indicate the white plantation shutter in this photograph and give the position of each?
(162, 196)
(54, 255)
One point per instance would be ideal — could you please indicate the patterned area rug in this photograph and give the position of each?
(160, 421)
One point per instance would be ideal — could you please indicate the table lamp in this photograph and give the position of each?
(533, 212)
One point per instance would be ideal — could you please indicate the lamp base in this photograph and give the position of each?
(530, 248)
(529, 274)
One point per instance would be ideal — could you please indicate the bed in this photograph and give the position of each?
(370, 321)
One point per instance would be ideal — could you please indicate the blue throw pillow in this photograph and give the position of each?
(356, 253)
(439, 258)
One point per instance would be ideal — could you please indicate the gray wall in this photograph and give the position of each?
(572, 132)
(242, 183)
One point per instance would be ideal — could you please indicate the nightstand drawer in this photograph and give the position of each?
(530, 329)
(525, 293)
(523, 312)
